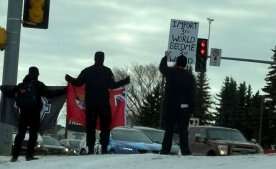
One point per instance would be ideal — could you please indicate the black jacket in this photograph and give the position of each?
(97, 81)
(180, 86)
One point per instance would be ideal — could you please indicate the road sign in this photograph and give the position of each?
(183, 40)
(215, 57)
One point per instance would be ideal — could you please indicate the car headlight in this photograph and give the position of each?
(66, 150)
(38, 146)
(223, 149)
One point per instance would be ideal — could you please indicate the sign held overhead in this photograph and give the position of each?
(183, 40)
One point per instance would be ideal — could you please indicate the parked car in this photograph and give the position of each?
(72, 144)
(221, 141)
(131, 141)
(125, 141)
(53, 146)
(156, 136)
(84, 148)
(38, 148)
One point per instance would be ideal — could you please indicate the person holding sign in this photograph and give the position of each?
(178, 102)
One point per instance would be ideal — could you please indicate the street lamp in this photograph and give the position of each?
(210, 20)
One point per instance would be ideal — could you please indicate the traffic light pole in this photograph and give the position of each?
(10, 69)
(248, 60)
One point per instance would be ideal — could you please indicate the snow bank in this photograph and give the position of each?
(143, 161)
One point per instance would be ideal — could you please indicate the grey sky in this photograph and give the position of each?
(136, 31)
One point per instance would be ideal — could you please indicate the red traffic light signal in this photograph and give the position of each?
(36, 13)
(202, 47)
(201, 55)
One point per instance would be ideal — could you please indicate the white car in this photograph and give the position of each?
(84, 148)
(73, 145)
(38, 147)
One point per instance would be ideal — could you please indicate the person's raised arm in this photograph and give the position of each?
(163, 67)
(75, 81)
(113, 84)
(50, 91)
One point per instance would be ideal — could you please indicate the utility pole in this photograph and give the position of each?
(261, 120)
(210, 20)
(10, 69)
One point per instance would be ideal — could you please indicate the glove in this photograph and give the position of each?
(68, 78)
(127, 79)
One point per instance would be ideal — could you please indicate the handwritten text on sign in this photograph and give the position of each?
(183, 40)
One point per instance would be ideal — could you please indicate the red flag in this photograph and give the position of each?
(76, 106)
(117, 100)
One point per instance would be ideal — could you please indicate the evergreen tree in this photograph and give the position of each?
(150, 111)
(269, 116)
(254, 113)
(241, 113)
(228, 104)
(203, 100)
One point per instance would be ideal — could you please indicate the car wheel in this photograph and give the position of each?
(211, 153)
(83, 152)
(112, 151)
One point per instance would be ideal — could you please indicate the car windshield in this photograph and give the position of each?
(50, 141)
(129, 135)
(155, 136)
(225, 134)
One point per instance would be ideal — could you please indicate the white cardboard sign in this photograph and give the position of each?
(183, 40)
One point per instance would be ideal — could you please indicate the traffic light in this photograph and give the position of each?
(3, 38)
(201, 55)
(36, 14)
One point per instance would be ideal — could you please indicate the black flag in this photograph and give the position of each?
(48, 115)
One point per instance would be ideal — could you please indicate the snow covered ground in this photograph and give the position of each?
(143, 161)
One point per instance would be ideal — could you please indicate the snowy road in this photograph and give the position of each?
(144, 161)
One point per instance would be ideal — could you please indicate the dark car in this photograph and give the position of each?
(212, 141)
(156, 136)
(53, 146)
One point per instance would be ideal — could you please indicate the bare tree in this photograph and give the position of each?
(144, 78)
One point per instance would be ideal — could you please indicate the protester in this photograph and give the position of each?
(28, 99)
(97, 80)
(178, 102)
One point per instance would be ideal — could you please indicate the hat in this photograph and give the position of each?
(33, 71)
(181, 61)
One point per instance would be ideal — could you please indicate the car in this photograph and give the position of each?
(125, 140)
(156, 136)
(38, 148)
(72, 144)
(53, 146)
(84, 148)
(220, 141)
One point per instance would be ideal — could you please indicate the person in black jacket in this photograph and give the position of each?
(97, 80)
(28, 99)
(178, 102)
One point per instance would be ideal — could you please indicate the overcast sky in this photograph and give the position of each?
(137, 31)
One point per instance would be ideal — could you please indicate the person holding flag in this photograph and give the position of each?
(97, 80)
(27, 97)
